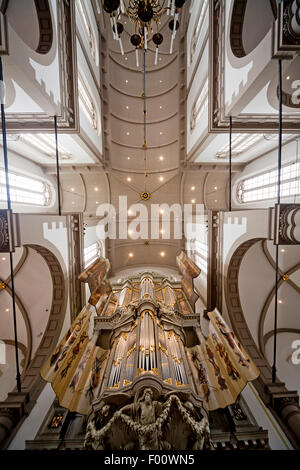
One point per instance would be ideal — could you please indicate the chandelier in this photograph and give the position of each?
(146, 15)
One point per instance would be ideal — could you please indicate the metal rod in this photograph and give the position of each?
(57, 166)
(145, 119)
(230, 165)
(278, 202)
(3, 125)
(18, 377)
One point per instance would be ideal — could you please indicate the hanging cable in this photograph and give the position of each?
(57, 166)
(278, 203)
(145, 119)
(230, 163)
(297, 165)
(3, 125)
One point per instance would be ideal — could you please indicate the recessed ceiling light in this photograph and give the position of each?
(160, 58)
(130, 255)
(3, 259)
(7, 309)
(216, 200)
(161, 158)
(126, 81)
(96, 189)
(162, 231)
(72, 189)
(283, 250)
(161, 178)
(193, 188)
(161, 211)
(216, 188)
(160, 81)
(161, 133)
(97, 202)
(288, 77)
(128, 158)
(127, 107)
(160, 107)
(126, 58)
(162, 254)
(280, 301)
(130, 212)
(193, 201)
(129, 232)
(127, 133)
(128, 179)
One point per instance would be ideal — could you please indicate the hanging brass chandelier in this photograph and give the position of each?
(146, 15)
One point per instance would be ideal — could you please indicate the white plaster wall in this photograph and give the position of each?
(51, 232)
(32, 71)
(239, 227)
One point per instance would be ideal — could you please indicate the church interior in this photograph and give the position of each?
(149, 224)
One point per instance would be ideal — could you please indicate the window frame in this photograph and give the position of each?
(198, 28)
(196, 113)
(88, 30)
(18, 189)
(87, 261)
(268, 184)
(88, 104)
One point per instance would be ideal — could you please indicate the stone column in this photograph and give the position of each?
(12, 410)
(287, 407)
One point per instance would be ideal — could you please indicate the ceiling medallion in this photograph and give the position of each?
(285, 277)
(145, 196)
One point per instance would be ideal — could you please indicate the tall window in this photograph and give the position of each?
(264, 186)
(199, 254)
(198, 27)
(91, 253)
(87, 28)
(87, 104)
(199, 105)
(24, 190)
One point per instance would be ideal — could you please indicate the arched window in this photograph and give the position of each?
(264, 186)
(87, 28)
(198, 28)
(87, 104)
(25, 190)
(199, 105)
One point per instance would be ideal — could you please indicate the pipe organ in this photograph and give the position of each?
(148, 346)
(139, 358)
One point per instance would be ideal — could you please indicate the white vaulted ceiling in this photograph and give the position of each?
(126, 105)
(125, 137)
